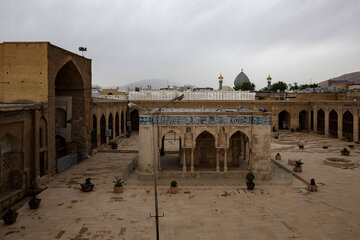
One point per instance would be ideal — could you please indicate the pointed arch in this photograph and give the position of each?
(69, 92)
(304, 120)
(205, 151)
(238, 151)
(333, 123)
(284, 119)
(320, 121)
(348, 125)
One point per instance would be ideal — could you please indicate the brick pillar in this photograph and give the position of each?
(184, 159)
(158, 160)
(107, 125)
(225, 160)
(340, 123)
(294, 120)
(356, 126)
(327, 123)
(114, 126)
(192, 169)
(217, 160)
(98, 133)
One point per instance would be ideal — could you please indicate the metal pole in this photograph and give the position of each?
(155, 183)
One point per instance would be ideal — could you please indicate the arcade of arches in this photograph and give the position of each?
(206, 156)
(105, 126)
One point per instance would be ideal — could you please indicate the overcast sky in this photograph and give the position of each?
(191, 42)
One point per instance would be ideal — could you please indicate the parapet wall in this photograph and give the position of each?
(190, 95)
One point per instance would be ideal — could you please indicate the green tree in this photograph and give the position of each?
(304, 86)
(278, 86)
(246, 86)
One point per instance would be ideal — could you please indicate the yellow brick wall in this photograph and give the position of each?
(24, 66)
(2, 81)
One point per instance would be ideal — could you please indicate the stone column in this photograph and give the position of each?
(315, 120)
(158, 161)
(225, 160)
(242, 146)
(98, 133)
(107, 126)
(217, 160)
(192, 160)
(340, 123)
(327, 123)
(356, 126)
(114, 126)
(247, 153)
(184, 159)
(119, 112)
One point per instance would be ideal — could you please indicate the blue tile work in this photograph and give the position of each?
(206, 120)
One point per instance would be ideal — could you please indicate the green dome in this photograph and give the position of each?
(241, 78)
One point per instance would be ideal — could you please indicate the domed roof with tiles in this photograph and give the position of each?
(241, 78)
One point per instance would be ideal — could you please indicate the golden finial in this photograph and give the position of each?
(269, 78)
(221, 77)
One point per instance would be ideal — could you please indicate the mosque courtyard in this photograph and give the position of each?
(203, 208)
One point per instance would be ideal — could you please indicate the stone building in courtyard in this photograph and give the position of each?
(45, 114)
(210, 141)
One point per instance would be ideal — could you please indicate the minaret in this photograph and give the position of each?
(220, 82)
(269, 82)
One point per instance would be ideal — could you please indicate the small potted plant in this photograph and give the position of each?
(173, 187)
(298, 167)
(118, 186)
(301, 146)
(249, 181)
(278, 156)
(345, 152)
(87, 186)
(34, 203)
(312, 187)
(114, 145)
(325, 147)
(10, 216)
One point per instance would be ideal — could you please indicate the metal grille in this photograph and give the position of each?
(5, 158)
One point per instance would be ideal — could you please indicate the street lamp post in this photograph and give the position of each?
(179, 98)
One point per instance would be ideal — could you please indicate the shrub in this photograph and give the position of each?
(278, 154)
(250, 177)
(118, 182)
(88, 180)
(298, 163)
(345, 150)
(173, 183)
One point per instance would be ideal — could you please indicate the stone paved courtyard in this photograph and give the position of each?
(204, 210)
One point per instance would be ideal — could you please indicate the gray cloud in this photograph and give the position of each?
(192, 41)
